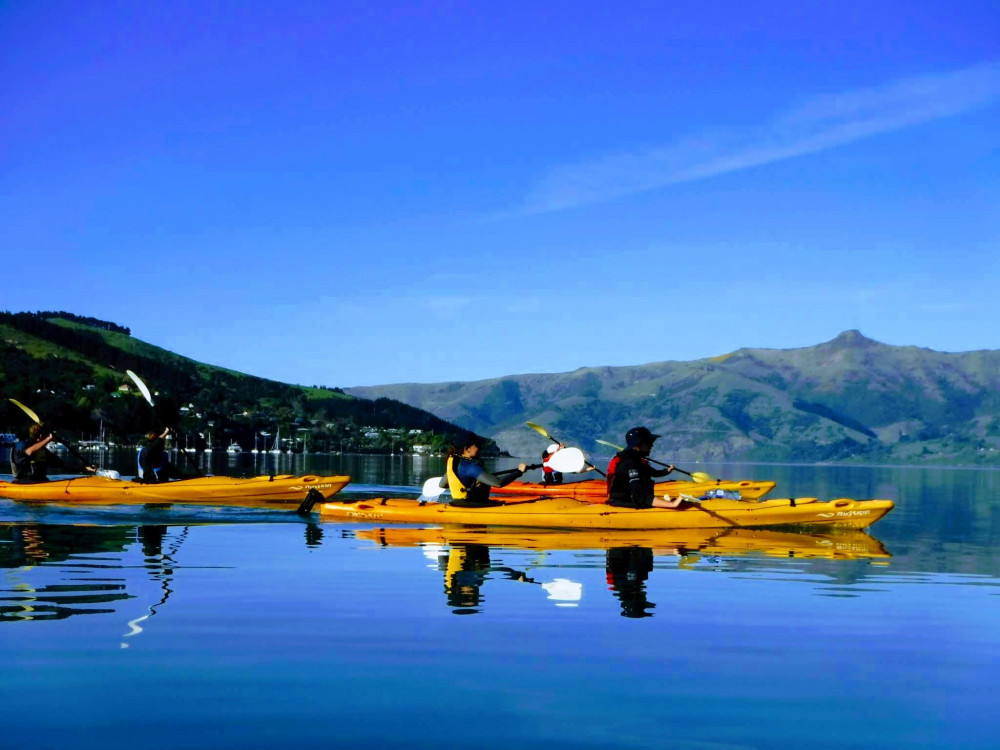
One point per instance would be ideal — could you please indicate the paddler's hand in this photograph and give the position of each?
(90, 469)
(522, 467)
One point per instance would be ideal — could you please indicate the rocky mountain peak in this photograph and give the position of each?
(852, 339)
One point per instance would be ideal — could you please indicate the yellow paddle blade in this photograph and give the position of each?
(540, 430)
(610, 445)
(34, 417)
(700, 476)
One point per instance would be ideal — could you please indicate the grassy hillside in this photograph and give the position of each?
(847, 399)
(71, 371)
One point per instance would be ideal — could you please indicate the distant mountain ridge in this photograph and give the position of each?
(851, 398)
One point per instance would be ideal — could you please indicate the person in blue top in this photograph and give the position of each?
(153, 464)
(466, 477)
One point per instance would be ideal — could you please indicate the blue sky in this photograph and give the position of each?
(362, 193)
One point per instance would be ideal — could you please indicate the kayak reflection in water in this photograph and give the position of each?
(466, 568)
(627, 570)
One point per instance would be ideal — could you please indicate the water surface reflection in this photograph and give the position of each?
(467, 557)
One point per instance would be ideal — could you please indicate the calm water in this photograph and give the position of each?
(195, 628)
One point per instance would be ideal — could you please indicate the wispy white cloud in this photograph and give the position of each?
(815, 125)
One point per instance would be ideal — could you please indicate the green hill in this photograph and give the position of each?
(851, 398)
(71, 371)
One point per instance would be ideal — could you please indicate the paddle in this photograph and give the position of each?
(544, 433)
(86, 464)
(142, 387)
(567, 461)
(698, 476)
(149, 400)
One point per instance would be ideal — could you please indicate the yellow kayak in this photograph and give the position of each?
(840, 544)
(568, 513)
(260, 491)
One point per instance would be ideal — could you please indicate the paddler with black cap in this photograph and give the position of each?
(466, 477)
(30, 458)
(630, 477)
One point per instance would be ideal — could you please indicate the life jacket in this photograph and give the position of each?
(618, 486)
(612, 467)
(458, 490)
(476, 493)
(550, 475)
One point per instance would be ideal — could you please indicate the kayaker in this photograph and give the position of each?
(630, 477)
(153, 464)
(30, 458)
(550, 475)
(466, 477)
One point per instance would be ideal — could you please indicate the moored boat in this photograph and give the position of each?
(248, 492)
(595, 490)
(569, 513)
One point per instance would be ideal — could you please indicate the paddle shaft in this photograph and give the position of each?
(144, 390)
(74, 452)
(529, 467)
(190, 460)
(651, 460)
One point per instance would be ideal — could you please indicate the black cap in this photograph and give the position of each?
(639, 435)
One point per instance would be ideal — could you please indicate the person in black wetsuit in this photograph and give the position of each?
(466, 477)
(630, 477)
(153, 464)
(30, 458)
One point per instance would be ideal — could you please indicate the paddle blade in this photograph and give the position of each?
(31, 415)
(610, 445)
(432, 488)
(141, 386)
(700, 476)
(568, 461)
(540, 430)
